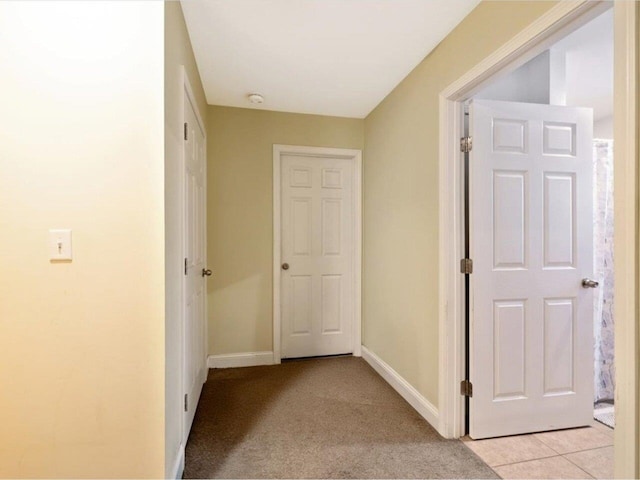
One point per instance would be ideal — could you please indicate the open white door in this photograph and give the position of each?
(194, 263)
(531, 242)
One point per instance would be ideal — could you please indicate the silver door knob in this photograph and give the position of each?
(206, 272)
(588, 283)
(285, 266)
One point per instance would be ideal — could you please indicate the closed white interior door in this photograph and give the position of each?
(531, 241)
(194, 332)
(317, 252)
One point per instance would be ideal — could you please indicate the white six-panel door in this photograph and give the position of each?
(531, 241)
(194, 372)
(317, 252)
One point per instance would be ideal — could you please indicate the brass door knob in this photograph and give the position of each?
(206, 272)
(285, 266)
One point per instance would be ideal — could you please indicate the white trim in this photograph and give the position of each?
(233, 360)
(421, 405)
(277, 256)
(324, 152)
(178, 464)
(626, 237)
(561, 19)
(451, 284)
(553, 25)
(357, 259)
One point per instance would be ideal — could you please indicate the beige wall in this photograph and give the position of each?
(81, 147)
(240, 214)
(178, 53)
(400, 278)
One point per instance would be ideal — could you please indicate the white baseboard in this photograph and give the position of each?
(400, 385)
(247, 359)
(178, 465)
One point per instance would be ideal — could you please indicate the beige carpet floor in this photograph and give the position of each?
(318, 418)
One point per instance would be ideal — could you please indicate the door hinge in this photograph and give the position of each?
(466, 388)
(466, 266)
(186, 129)
(186, 402)
(185, 266)
(466, 144)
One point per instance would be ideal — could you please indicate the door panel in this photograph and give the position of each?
(559, 352)
(509, 349)
(510, 219)
(331, 220)
(301, 303)
(531, 322)
(317, 243)
(559, 220)
(331, 304)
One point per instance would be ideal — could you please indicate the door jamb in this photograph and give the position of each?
(560, 20)
(187, 91)
(321, 152)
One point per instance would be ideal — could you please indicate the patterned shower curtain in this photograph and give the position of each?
(603, 269)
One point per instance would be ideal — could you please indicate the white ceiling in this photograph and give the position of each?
(589, 65)
(586, 71)
(328, 57)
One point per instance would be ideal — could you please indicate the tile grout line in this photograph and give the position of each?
(555, 454)
(525, 461)
(578, 451)
(545, 443)
(533, 437)
(567, 453)
(587, 474)
(578, 466)
(587, 449)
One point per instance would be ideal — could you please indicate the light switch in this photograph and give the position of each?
(60, 244)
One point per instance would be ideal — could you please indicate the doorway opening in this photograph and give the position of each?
(559, 21)
(317, 252)
(539, 320)
(576, 71)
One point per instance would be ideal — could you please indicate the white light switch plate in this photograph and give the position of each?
(60, 244)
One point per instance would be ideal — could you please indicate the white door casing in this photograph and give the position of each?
(194, 331)
(317, 215)
(531, 241)
(538, 36)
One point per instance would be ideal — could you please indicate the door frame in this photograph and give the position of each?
(556, 23)
(317, 152)
(187, 93)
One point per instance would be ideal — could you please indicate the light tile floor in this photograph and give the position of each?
(575, 453)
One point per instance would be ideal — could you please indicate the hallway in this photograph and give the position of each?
(317, 418)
